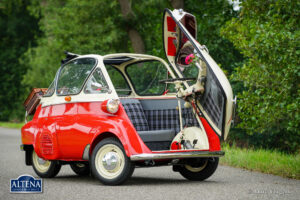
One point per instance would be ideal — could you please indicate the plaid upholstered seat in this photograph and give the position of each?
(169, 119)
(157, 127)
(136, 114)
(163, 119)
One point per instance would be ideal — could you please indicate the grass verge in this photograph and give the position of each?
(11, 125)
(266, 161)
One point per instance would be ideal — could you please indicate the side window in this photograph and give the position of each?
(145, 77)
(96, 83)
(118, 81)
(73, 75)
(50, 90)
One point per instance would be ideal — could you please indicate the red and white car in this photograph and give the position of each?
(106, 115)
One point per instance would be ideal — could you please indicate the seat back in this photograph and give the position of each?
(136, 114)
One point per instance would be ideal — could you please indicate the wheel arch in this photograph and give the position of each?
(102, 136)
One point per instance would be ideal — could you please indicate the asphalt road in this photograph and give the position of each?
(146, 183)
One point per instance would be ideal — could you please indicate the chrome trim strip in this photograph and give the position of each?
(191, 154)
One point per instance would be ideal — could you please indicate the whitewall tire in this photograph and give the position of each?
(109, 162)
(45, 168)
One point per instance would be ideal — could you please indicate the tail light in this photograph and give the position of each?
(111, 105)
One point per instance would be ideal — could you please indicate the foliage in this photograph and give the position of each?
(211, 16)
(11, 125)
(18, 31)
(267, 34)
(148, 21)
(75, 26)
(79, 27)
(266, 161)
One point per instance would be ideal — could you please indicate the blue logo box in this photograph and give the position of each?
(26, 184)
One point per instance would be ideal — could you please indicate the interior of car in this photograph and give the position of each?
(151, 106)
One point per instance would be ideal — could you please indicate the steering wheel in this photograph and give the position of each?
(177, 79)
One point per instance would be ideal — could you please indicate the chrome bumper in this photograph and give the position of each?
(191, 154)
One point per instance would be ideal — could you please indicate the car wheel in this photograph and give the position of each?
(45, 168)
(199, 170)
(80, 168)
(110, 164)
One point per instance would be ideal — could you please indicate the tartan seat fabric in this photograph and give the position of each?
(163, 119)
(157, 119)
(169, 119)
(189, 118)
(136, 114)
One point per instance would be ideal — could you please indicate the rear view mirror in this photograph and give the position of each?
(97, 87)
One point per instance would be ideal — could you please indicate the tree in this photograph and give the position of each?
(211, 16)
(18, 32)
(267, 34)
(79, 27)
(82, 27)
(129, 17)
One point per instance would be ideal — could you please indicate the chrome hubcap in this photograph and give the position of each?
(196, 169)
(110, 161)
(41, 161)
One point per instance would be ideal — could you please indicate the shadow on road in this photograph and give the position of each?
(162, 181)
(133, 181)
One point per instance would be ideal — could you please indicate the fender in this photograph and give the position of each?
(213, 138)
(41, 137)
(121, 127)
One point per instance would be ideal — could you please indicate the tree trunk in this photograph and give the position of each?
(134, 36)
(176, 4)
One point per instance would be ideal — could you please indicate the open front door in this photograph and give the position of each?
(185, 53)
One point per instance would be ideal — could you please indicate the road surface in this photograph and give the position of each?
(146, 183)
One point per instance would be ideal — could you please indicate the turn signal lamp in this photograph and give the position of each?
(68, 98)
(111, 105)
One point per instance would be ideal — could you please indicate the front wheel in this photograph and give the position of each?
(199, 170)
(45, 168)
(110, 164)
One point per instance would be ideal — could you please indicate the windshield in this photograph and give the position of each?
(73, 75)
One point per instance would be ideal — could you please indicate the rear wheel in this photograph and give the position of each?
(81, 168)
(199, 170)
(110, 164)
(45, 168)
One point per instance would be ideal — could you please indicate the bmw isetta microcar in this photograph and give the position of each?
(106, 115)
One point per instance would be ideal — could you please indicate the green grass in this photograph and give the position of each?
(11, 124)
(266, 161)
